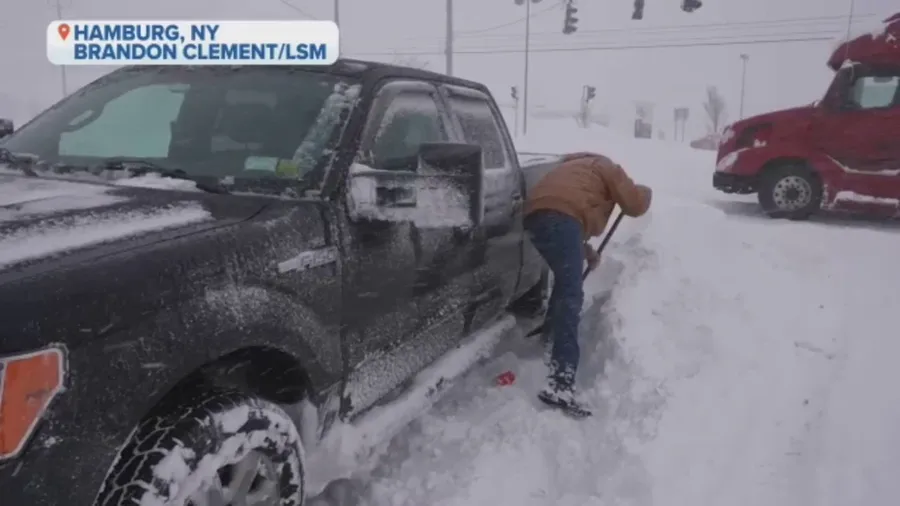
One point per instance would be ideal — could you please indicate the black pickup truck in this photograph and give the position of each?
(189, 253)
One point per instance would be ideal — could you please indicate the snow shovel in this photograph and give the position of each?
(587, 270)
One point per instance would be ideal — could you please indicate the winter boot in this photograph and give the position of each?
(562, 396)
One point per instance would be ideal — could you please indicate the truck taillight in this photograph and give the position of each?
(28, 384)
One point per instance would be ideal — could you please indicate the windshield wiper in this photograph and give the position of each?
(140, 167)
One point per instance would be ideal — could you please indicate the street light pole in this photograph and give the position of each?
(62, 68)
(527, 54)
(744, 58)
(337, 12)
(448, 46)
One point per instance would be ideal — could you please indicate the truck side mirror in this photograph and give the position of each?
(444, 189)
(6, 127)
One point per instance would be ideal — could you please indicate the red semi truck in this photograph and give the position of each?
(841, 153)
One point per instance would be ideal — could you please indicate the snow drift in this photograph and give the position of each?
(729, 364)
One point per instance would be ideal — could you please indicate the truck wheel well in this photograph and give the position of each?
(776, 163)
(266, 372)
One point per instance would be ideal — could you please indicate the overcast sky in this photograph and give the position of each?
(490, 42)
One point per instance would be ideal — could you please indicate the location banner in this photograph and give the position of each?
(193, 42)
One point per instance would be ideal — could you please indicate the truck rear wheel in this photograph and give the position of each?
(790, 191)
(214, 448)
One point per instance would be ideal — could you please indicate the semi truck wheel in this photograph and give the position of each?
(790, 191)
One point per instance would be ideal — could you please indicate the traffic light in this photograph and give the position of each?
(638, 10)
(514, 93)
(591, 93)
(690, 5)
(570, 25)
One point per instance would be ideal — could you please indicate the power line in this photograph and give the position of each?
(509, 23)
(727, 24)
(785, 22)
(662, 42)
(608, 48)
(722, 39)
(298, 9)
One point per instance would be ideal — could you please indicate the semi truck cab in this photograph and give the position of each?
(841, 153)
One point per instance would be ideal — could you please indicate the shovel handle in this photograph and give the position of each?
(605, 240)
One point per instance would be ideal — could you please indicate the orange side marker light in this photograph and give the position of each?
(28, 384)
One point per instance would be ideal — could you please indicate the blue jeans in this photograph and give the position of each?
(558, 239)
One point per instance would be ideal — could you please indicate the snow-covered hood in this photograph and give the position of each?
(47, 218)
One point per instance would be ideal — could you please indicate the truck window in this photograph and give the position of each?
(874, 92)
(137, 123)
(258, 122)
(243, 113)
(480, 126)
(410, 119)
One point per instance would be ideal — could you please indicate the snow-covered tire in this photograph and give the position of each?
(203, 444)
(791, 191)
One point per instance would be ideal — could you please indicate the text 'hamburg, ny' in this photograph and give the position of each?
(193, 43)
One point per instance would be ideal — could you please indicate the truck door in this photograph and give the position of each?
(405, 303)
(860, 132)
(885, 124)
(478, 121)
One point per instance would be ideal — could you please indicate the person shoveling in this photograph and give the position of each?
(569, 205)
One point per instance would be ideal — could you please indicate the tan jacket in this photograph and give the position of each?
(587, 187)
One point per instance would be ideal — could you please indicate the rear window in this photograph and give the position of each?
(480, 127)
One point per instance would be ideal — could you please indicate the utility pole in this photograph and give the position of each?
(449, 44)
(527, 54)
(744, 58)
(337, 12)
(62, 68)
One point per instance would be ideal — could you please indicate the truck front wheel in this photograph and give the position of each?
(217, 448)
(790, 191)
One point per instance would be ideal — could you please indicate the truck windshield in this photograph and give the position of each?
(207, 121)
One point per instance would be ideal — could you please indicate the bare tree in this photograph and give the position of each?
(715, 108)
(583, 117)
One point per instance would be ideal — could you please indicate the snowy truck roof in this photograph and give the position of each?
(880, 44)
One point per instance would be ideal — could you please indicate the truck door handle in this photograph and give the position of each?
(517, 197)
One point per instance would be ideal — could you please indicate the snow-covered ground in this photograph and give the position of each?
(736, 361)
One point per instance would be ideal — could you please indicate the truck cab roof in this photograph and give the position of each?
(366, 70)
(876, 47)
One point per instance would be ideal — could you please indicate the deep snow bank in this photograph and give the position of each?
(708, 317)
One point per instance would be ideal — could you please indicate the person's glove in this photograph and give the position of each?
(592, 257)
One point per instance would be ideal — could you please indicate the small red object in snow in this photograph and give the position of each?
(505, 379)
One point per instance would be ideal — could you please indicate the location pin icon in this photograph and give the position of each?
(63, 30)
